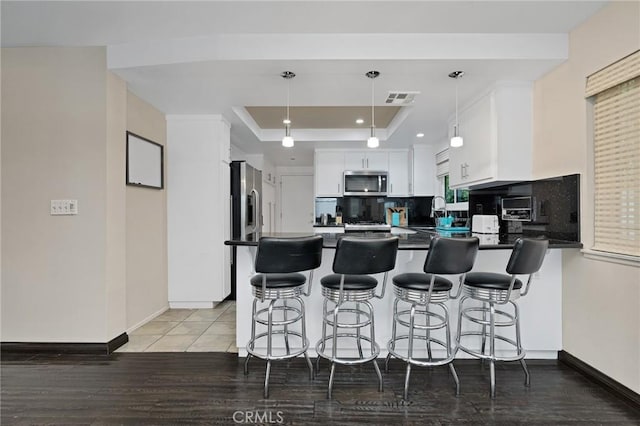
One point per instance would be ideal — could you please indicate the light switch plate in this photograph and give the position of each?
(64, 207)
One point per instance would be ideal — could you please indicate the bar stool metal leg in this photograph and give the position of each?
(452, 369)
(253, 336)
(527, 378)
(412, 320)
(393, 334)
(269, 347)
(305, 341)
(428, 334)
(373, 345)
(286, 332)
(324, 333)
(358, 342)
(484, 330)
(492, 348)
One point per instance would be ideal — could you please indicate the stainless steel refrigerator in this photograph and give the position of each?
(246, 192)
(246, 208)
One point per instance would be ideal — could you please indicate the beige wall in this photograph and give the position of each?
(146, 226)
(601, 300)
(90, 277)
(61, 275)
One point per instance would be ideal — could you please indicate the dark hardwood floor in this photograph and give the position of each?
(209, 388)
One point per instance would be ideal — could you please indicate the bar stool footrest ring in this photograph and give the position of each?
(521, 354)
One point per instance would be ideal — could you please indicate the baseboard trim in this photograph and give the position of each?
(191, 305)
(599, 377)
(147, 319)
(64, 348)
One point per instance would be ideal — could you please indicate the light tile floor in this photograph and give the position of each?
(187, 330)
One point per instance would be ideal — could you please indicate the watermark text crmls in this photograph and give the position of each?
(258, 417)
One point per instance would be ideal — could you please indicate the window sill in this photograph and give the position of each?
(603, 256)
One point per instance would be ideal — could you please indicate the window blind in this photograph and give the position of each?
(623, 70)
(442, 163)
(617, 164)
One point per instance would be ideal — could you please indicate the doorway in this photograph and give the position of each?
(296, 203)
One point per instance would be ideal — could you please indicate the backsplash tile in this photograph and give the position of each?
(555, 203)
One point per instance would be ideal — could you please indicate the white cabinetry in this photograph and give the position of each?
(424, 171)
(366, 160)
(328, 172)
(399, 174)
(411, 172)
(497, 132)
(198, 210)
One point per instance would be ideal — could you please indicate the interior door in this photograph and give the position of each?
(296, 205)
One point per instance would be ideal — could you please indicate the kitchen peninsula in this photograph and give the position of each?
(541, 309)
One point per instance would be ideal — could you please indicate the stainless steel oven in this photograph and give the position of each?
(518, 209)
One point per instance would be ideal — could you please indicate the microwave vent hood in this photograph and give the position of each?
(365, 183)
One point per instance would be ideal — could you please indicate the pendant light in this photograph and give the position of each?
(456, 140)
(287, 140)
(373, 141)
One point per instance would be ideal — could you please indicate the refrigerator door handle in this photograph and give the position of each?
(257, 219)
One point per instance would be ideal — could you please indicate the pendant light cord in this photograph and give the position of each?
(373, 116)
(288, 90)
(456, 132)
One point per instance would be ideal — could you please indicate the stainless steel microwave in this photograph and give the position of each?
(365, 183)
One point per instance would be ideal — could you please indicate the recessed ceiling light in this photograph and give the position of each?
(420, 135)
(359, 121)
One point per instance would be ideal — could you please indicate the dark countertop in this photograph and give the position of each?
(418, 241)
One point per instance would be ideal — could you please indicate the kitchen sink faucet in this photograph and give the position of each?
(433, 206)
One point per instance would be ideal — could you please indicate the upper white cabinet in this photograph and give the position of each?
(328, 172)
(366, 160)
(411, 172)
(424, 171)
(497, 133)
(399, 174)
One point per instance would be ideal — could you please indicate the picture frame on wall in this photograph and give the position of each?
(145, 162)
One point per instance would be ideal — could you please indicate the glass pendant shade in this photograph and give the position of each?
(287, 141)
(456, 142)
(373, 142)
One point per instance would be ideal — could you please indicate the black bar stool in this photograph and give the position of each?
(278, 264)
(499, 289)
(448, 256)
(350, 288)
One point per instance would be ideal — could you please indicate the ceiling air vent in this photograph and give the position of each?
(401, 98)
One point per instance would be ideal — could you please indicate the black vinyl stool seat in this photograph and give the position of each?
(278, 264)
(349, 289)
(500, 289)
(422, 291)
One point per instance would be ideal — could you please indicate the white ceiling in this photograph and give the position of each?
(215, 57)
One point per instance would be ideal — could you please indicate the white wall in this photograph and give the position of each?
(601, 300)
(62, 276)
